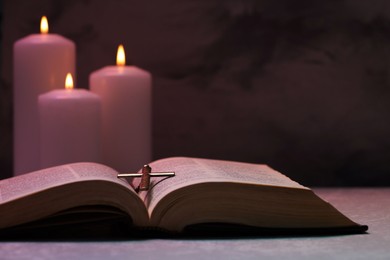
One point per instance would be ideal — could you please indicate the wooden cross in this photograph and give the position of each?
(145, 176)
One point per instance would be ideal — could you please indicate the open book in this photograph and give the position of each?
(204, 196)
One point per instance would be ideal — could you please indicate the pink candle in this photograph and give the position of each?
(126, 114)
(41, 62)
(69, 126)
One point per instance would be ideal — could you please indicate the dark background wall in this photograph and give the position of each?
(300, 85)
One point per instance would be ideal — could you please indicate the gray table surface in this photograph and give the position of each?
(370, 206)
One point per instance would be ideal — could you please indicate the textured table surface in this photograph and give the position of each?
(369, 206)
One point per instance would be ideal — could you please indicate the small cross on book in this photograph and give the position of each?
(145, 176)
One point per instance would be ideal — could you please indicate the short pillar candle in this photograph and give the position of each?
(69, 126)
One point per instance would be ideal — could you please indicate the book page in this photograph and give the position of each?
(194, 170)
(24, 185)
(41, 194)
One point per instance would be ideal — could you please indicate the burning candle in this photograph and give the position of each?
(69, 125)
(41, 62)
(126, 114)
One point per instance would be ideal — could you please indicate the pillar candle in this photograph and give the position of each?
(125, 92)
(69, 126)
(41, 62)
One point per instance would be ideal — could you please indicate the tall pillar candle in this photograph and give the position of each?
(41, 62)
(69, 126)
(125, 92)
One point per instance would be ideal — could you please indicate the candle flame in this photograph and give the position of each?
(44, 25)
(120, 56)
(69, 81)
